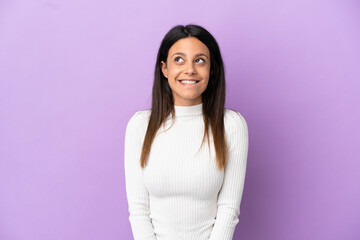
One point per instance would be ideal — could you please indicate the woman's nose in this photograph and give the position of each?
(190, 68)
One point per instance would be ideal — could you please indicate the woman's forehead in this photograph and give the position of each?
(189, 46)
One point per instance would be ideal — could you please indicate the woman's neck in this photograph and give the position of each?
(188, 110)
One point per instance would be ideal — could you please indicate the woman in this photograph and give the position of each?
(178, 187)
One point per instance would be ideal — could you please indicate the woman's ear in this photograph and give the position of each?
(164, 69)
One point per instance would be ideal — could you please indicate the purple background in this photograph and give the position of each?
(72, 73)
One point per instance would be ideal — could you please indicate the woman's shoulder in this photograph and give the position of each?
(233, 118)
(142, 114)
(139, 118)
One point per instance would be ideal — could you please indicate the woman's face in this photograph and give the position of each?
(188, 58)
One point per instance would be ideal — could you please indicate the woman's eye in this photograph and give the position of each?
(177, 58)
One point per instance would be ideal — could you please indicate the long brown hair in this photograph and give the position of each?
(213, 98)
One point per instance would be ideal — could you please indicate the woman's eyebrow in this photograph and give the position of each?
(199, 54)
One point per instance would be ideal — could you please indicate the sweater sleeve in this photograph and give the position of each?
(137, 195)
(230, 194)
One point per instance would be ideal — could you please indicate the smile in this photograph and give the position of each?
(188, 82)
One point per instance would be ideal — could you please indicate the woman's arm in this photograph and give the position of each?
(137, 195)
(230, 194)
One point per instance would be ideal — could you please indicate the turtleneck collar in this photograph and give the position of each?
(188, 110)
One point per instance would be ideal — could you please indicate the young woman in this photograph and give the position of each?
(178, 187)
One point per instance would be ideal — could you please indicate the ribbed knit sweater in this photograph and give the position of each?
(181, 194)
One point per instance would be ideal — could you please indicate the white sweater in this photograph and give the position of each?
(181, 194)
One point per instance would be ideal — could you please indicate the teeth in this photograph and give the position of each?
(187, 81)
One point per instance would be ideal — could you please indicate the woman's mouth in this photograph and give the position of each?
(186, 82)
